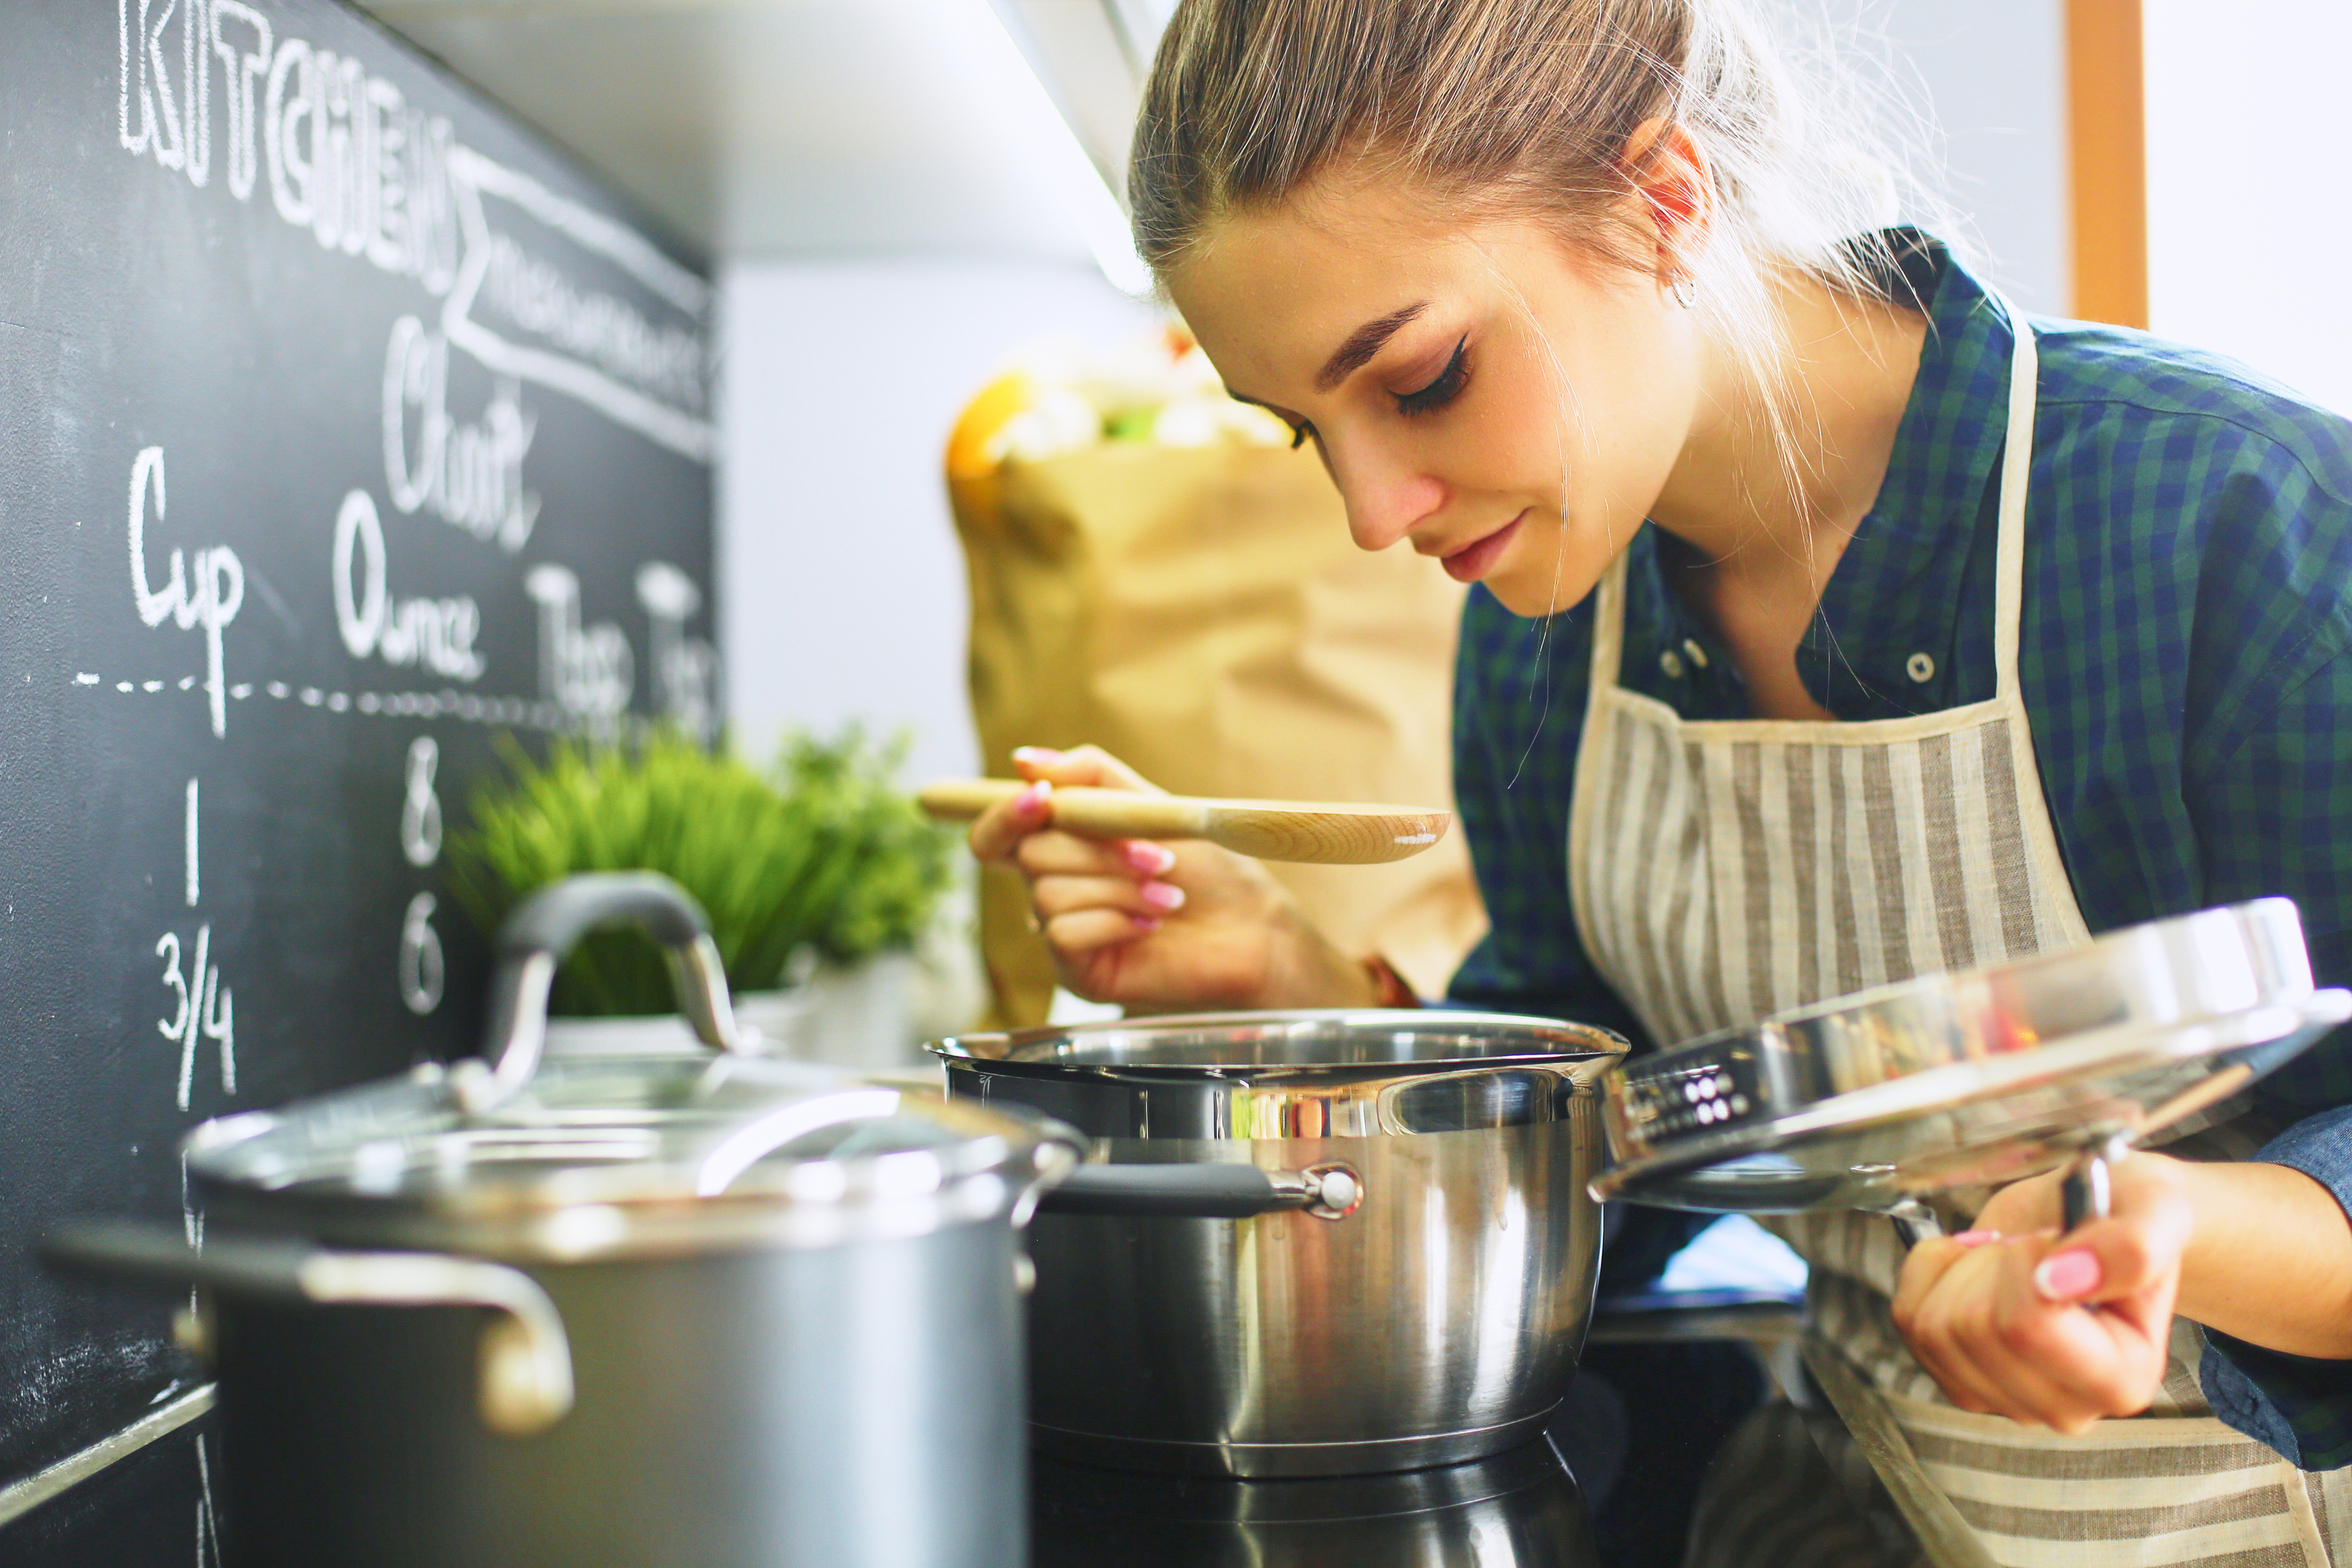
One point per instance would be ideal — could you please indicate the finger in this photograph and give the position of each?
(2022, 1207)
(1054, 896)
(1142, 855)
(1936, 1339)
(1089, 765)
(2101, 1360)
(1956, 1334)
(2035, 1353)
(1090, 930)
(1001, 828)
(1055, 853)
(1929, 1260)
(2127, 1254)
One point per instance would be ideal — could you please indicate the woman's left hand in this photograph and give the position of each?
(2010, 1319)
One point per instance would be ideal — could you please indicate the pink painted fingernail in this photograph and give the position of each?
(2067, 1275)
(1039, 754)
(1975, 1237)
(1162, 896)
(1145, 922)
(1150, 860)
(1031, 802)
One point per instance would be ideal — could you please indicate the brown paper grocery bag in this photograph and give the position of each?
(1203, 614)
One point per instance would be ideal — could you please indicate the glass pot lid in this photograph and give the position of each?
(593, 1155)
(1970, 1078)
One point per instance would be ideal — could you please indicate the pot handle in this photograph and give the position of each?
(544, 929)
(1207, 1190)
(526, 1357)
(2083, 1194)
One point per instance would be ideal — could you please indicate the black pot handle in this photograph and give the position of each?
(526, 1356)
(545, 928)
(1204, 1191)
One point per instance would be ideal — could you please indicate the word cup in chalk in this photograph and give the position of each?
(209, 595)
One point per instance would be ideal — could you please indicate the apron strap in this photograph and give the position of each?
(1944, 1535)
(2009, 572)
(1609, 627)
(2016, 462)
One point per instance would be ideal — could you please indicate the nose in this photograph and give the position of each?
(1385, 501)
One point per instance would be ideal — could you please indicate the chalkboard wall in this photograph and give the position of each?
(343, 427)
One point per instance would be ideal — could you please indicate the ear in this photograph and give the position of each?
(1675, 191)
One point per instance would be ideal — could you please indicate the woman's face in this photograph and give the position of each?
(1483, 392)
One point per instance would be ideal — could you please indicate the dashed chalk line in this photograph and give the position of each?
(472, 708)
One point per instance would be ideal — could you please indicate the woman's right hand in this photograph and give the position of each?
(1158, 927)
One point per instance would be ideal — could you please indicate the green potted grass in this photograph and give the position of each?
(818, 874)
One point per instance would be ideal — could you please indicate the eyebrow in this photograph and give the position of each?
(1362, 344)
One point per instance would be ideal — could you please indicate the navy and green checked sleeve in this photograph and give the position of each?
(2186, 656)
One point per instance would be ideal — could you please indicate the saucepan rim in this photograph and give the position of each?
(1043, 1051)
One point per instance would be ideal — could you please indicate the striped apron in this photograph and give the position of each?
(1722, 870)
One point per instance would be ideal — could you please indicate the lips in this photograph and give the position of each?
(1472, 561)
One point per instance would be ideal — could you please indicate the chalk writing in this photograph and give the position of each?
(207, 1010)
(469, 475)
(371, 176)
(420, 811)
(194, 885)
(208, 1551)
(435, 633)
(587, 671)
(243, 62)
(686, 669)
(209, 596)
(146, 76)
(582, 342)
(421, 967)
(351, 162)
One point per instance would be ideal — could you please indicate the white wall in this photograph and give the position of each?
(1990, 77)
(2249, 203)
(840, 585)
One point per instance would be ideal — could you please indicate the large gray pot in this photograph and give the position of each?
(668, 1311)
(1427, 1308)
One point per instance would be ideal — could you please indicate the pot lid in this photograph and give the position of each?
(519, 1154)
(1970, 1078)
(602, 1154)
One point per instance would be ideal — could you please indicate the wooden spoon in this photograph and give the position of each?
(1315, 831)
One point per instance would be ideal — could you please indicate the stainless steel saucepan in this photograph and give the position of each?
(1425, 1305)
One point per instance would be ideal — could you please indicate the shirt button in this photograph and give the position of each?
(1697, 654)
(1671, 663)
(1920, 668)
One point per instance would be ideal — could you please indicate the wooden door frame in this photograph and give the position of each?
(2107, 144)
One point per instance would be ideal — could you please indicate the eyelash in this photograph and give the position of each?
(1442, 390)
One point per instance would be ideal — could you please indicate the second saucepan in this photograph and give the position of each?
(1422, 1299)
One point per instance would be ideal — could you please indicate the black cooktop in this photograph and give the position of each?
(1518, 1509)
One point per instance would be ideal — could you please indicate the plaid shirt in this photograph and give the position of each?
(2186, 620)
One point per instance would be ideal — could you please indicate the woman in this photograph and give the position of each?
(1832, 623)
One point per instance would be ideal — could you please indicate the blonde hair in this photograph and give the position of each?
(1528, 107)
